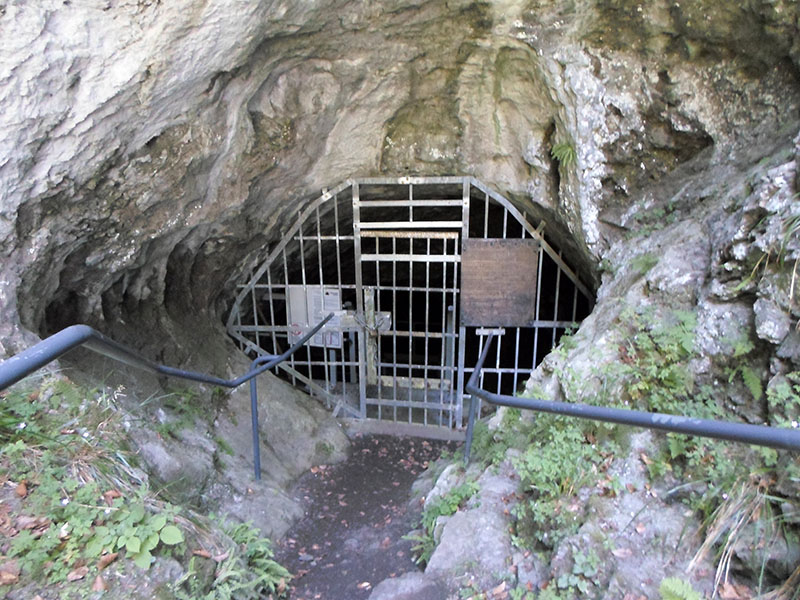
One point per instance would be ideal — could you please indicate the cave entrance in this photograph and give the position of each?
(418, 271)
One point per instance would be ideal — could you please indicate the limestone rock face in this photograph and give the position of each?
(475, 544)
(150, 150)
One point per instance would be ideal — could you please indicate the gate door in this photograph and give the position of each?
(407, 280)
(418, 271)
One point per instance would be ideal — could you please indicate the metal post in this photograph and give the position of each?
(48, 350)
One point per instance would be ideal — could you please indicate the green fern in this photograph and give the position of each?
(673, 588)
(752, 381)
(564, 153)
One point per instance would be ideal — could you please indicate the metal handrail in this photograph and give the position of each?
(58, 344)
(761, 435)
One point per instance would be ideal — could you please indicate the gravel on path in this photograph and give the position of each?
(357, 513)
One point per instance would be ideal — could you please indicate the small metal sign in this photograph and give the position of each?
(498, 282)
(307, 306)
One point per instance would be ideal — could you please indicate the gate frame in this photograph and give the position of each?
(237, 329)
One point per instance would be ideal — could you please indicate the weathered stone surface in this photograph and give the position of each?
(475, 544)
(186, 468)
(152, 151)
(759, 547)
(126, 583)
(295, 434)
(143, 152)
(772, 324)
(636, 538)
(410, 586)
(450, 477)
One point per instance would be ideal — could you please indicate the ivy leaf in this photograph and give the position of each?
(101, 531)
(143, 559)
(136, 514)
(133, 545)
(94, 547)
(171, 535)
(150, 542)
(158, 522)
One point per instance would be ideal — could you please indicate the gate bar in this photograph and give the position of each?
(762, 435)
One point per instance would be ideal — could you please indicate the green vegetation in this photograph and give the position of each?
(250, 574)
(223, 446)
(644, 262)
(584, 570)
(741, 348)
(647, 221)
(564, 153)
(654, 361)
(673, 588)
(564, 457)
(442, 507)
(783, 400)
(776, 254)
(559, 456)
(77, 502)
(521, 594)
(184, 408)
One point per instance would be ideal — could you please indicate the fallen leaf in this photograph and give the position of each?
(630, 487)
(21, 489)
(364, 585)
(106, 560)
(498, 590)
(732, 591)
(77, 574)
(99, 584)
(202, 553)
(110, 495)
(622, 552)
(646, 459)
(37, 525)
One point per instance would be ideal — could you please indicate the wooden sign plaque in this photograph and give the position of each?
(498, 282)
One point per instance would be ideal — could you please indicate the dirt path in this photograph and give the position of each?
(356, 515)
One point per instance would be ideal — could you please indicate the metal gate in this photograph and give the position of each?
(387, 256)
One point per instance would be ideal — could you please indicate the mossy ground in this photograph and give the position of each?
(78, 516)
